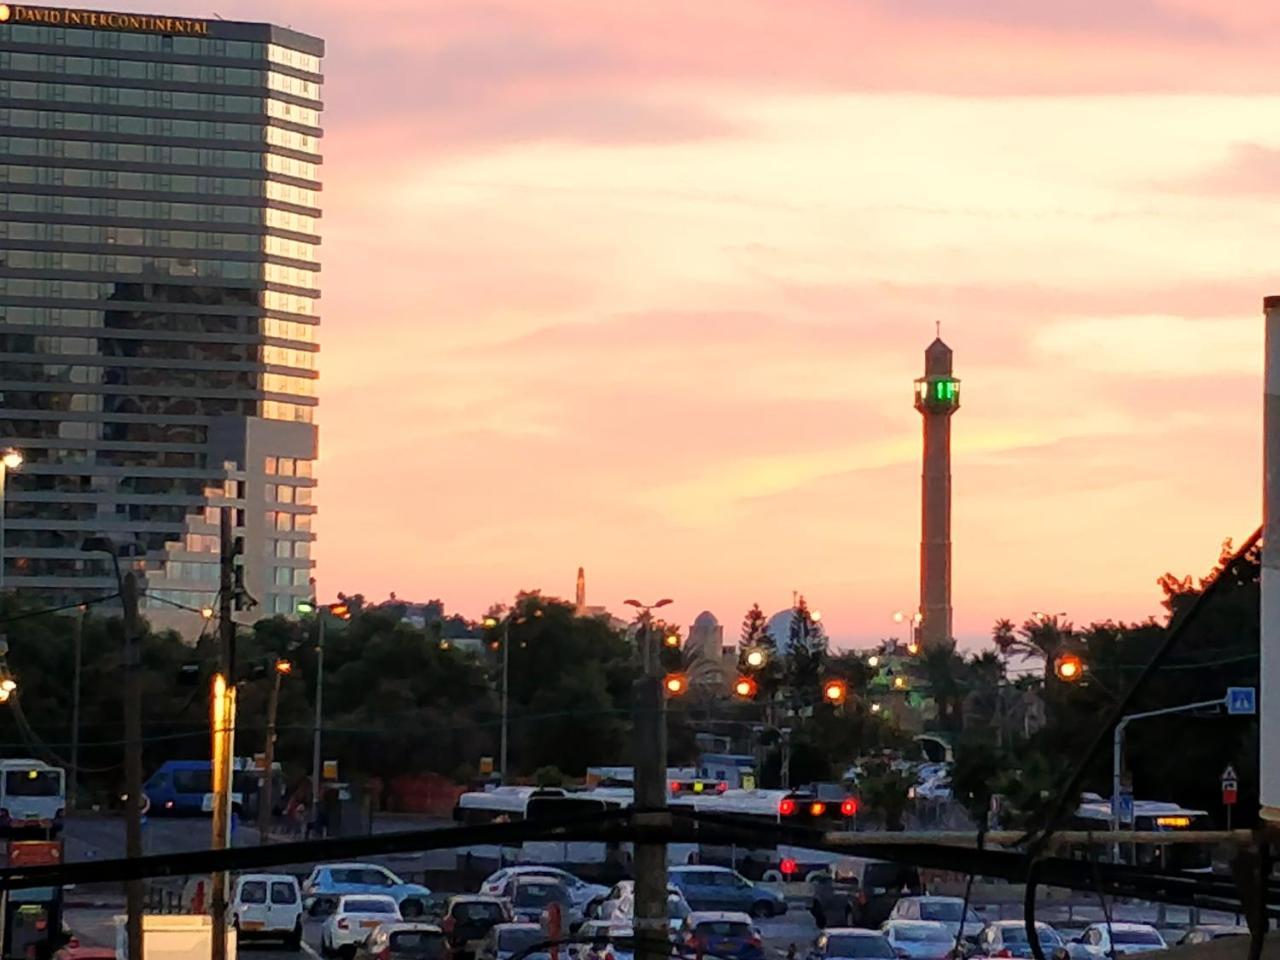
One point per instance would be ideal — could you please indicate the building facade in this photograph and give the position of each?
(159, 235)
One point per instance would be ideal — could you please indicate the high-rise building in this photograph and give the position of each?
(937, 398)
(159, 211)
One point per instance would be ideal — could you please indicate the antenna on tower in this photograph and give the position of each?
(938, 328)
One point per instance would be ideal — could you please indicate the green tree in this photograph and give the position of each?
(885, 790)
(806, 655)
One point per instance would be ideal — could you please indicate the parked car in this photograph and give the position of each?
(873, 888)
(1008, 938)
(404, 941)
(920, 939)
(944, 910)
(581, 892)
(267, 906)
(507, 939)
(469, 917)
(851, 943)
(530, 896)
(719, 888)
(721, 933)
(1208, 932)
(329, 881)
(1094, 942)
(353, 918)
(620, 906)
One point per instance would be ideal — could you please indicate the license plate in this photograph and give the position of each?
(251, 924)
(369, 923)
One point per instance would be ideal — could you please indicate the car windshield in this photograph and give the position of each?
(723, 928)
(537, 894)
(1145, 938)
(368, 905)
(1018, 934)
(253, 891)
(947, 911)
(923, 934)
(193, 781)
(510, 941)
(363, 877)
(478, 912)
(859, 947)
(418, 943)
(32, 783)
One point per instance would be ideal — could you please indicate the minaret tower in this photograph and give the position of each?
(582, 590)
(937, 398)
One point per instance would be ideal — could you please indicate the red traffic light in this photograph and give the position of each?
(786, 807)
(746, 688)
(849, 807)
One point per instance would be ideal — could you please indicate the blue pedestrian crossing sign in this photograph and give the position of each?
(1242, 701)
(1125, 814)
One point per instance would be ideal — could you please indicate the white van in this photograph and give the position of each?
(268, 906)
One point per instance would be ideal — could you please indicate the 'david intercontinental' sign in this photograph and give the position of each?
(102, 20)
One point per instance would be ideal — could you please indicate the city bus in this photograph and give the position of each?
(1148, 816)
(33, 799)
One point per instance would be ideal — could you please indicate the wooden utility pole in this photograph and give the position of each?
(223, 717)
(133, 889)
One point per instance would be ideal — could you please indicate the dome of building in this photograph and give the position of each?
(779, 627)
(706, 619)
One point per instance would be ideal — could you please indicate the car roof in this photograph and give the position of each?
(525, 868)
(714, 916)
(398, 925)
(923, 899)
(366, 896)
(1021, 923)
(688, 868)
(516, 926)
(271, 877)
(919, 924)
(475, 898)
(347, 866)
(850, 932)
(1117, 925)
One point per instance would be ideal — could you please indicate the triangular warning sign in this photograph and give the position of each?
(1229, 773)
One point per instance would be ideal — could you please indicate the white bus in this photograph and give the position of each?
(33, 798)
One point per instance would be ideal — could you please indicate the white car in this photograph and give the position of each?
(353, 919)
(620, 907)
(580, 892)
(945, 910)
(268, 906)
(1129, 938)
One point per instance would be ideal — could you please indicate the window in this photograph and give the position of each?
(286, 466)
(253, 891)
(32, 783)
(270, 466)
(283, 892)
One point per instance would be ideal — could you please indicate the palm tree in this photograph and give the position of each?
(942, 672)
(1041, 637)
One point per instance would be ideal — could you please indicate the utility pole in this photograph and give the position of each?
(650, 760)
(133, 890)
(506, 669)
(265, 794)
(77, 646)
(315, 731)
(223, 721)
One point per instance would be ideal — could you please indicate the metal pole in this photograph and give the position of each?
(224, 719)
(4, 508)
(133, 890)
(269, 755)
(650, 923)
(506, 664)
(77, 645)
(1269, 709)
(315, 730)
(1117, 749)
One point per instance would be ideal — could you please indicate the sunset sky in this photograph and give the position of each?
(643, 286)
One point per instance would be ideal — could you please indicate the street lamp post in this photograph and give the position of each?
(10, 459)
(282, 669)
(650, 760)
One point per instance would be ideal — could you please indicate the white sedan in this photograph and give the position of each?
(580, 891)
(355, 917)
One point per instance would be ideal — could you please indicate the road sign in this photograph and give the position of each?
(1229, 774)
(1125, 812)
(1242, 701)
(1229, 793)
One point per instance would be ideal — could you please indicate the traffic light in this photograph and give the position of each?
(1068, 667)
(835, 691)
(746, 688)
(676, 684)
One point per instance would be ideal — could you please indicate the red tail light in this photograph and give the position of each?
(755, 940)
(1006, 952)
(787, 807)
(722, 787)
(789, 866)
(448, 925)
(343, 924)
(849, 807)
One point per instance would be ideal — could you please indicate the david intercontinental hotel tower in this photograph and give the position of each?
(159, 258)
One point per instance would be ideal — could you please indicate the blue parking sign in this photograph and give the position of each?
(1242, 701)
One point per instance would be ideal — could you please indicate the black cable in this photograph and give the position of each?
(28, 614)
(1037, 840)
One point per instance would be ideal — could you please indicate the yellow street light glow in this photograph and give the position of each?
(490, 622)
(913, 647)
(756, 657)
(1068, 667)
(834, 691)
(12, 459)
(875, 708)
(675, 684)
(873, 661)
(815, 615)
(671, 640)
(899, 683)
(899, 616)
(8, 685)
(206, 612)
(284, 667)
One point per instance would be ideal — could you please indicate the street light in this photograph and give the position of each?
(835, 691)
(282, 669)
(7, 687)
(873, 661)
(676, 684)
(11, 459)
(746, 688)
(1069, 668)
(756, 658)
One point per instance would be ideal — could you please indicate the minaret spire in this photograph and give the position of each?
(937, 398)
(582, 588)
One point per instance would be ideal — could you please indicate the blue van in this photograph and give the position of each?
(185, 788)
